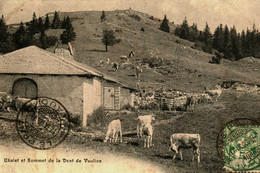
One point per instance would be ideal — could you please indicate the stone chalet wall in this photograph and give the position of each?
(66, 89)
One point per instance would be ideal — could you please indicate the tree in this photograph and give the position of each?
(47, 22)
(33, 25)
(63, 25)
(69, 34)
(227, 44)
(207, 39)
(103, 16)
(109, 38)
(164, 25)
(56, 21)
(21, 38)
(185, 31)
(243, 43)
(6, 43)
(41, 26)
(193, 33)
(235, 43)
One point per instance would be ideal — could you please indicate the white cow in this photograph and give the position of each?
(114, 127)
(148, 135)
(142, 121)
(181, 141)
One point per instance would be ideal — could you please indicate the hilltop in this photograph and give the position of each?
(183, 68)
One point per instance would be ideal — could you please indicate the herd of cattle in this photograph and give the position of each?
(178, 141)
(176, 100)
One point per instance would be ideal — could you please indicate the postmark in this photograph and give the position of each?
(43, 123)
(242, 148)
(235, 122)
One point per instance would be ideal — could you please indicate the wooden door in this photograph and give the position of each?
(26, 88)
(109, 98)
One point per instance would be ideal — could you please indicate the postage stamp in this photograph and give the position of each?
(235, 122)
(242, 148)
(43, 123)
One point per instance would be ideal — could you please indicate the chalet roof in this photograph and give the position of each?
(34, 60)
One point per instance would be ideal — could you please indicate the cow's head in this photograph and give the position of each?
(173, 148)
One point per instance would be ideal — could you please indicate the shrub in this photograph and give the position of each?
(76, 120)
(136, 17)
(153, 62)
(151, 17)
(97, 116)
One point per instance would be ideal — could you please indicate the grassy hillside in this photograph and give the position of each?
(184, 68)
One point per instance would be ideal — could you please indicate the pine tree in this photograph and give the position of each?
(68, 23)
(21, 37)
(227, 44)
(207, 39)
(217, 39)
(184, 33)
(33, 26)
(69, 34)
(6, 43)
(41, 27)
(63, 25)
(103, 16)
(207, 36)
(44, 40)
(56, 21)
(3, 30)
(243, 44)
(164, 25)
(236, 50)
(47, 22)
(254, 41)
(248, 49)
(109, 38)
(193, 32)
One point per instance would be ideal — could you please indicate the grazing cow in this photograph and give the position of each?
(115, 65)
(138, 71)
(141, 121)
(101, 63)
(24, 104)
(148, 135)
(108, 61)
(181, 141)
(114, 127)
(123, 58)
(131, 54)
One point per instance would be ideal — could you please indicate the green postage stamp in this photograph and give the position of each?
(242, 149)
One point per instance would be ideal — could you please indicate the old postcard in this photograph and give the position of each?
(129, 86)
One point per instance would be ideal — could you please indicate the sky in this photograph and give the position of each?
(241, 13)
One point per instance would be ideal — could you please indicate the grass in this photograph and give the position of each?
(153, 43)
(206, 119)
